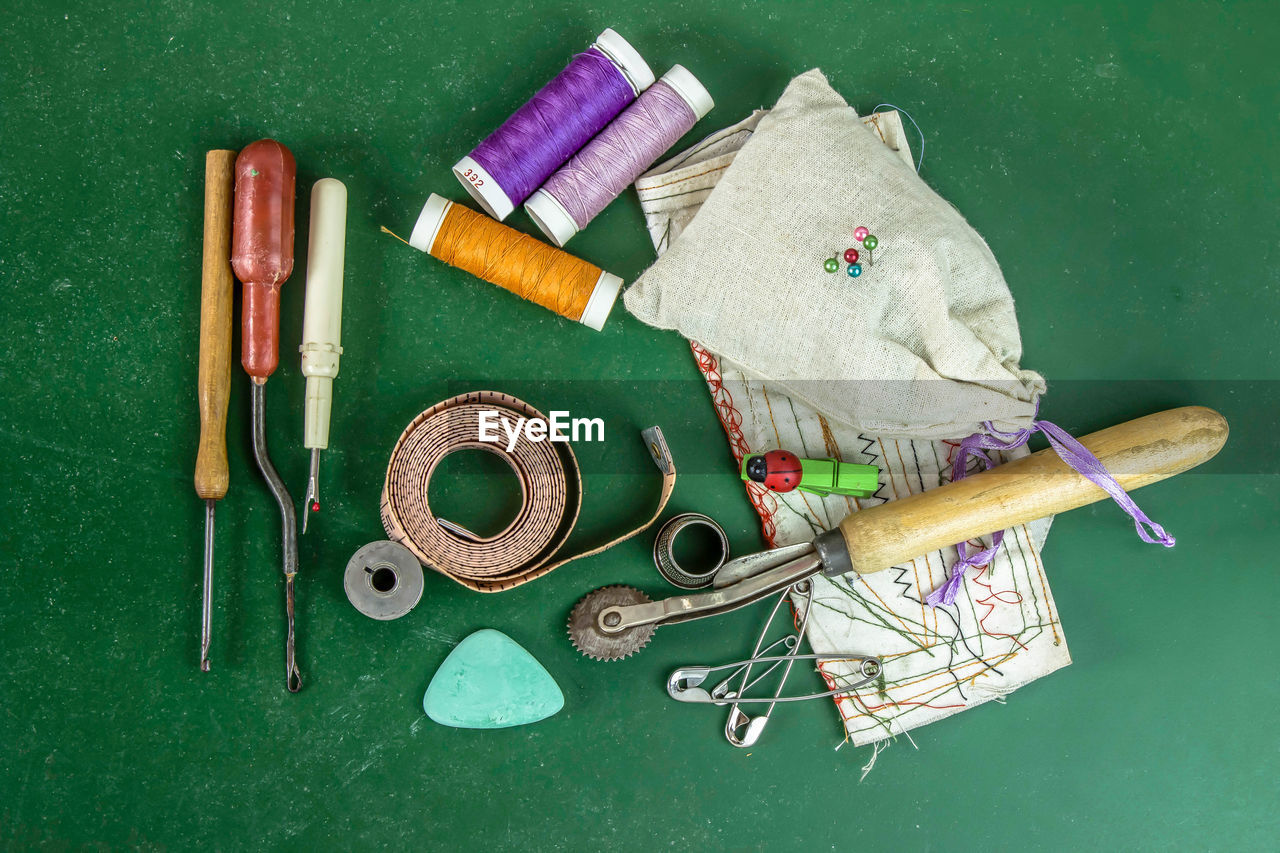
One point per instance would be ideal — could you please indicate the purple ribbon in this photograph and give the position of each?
(1071, 452)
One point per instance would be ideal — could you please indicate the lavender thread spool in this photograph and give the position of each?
(513, 161)
(608, 164)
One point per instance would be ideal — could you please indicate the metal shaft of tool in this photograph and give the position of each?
(685, 608)
(206, 609)
(289, 520)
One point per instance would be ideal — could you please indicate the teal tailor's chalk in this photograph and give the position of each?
(489, 681)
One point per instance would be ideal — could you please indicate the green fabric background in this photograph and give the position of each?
(1120, 159)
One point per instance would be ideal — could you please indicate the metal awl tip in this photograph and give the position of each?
(206, 608)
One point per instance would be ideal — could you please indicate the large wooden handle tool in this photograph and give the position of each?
(1137, 453)
(614, 622)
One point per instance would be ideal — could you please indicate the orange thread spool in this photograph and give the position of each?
(529, 268)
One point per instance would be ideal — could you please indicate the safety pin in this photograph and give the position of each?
(722, 690)
(687, 681)
(740, 729)
(803, 586)
(683, 683)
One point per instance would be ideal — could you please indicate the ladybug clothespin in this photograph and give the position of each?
(782, 471)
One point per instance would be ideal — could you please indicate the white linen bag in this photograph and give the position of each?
(924, 344)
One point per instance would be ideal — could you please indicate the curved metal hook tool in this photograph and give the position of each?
(292, 675)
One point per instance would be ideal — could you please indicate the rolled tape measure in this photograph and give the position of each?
(550, 484)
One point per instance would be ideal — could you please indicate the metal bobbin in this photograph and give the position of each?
(383, 580)
(664, 553)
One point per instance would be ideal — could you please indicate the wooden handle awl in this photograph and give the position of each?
(217, 286)
(1136, 453)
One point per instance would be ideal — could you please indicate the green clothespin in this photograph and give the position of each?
(782, 471)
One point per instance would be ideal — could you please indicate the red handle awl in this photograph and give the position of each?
(262, 249)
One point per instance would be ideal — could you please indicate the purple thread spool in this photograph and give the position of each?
(608, 164)
(513, 161)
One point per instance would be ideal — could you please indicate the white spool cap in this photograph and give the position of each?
(428, 224)
(689, 89)
(601, 301)
(627, 59)
(549, 215)
(483, 188)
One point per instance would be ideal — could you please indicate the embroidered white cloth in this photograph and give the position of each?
(1002, 632)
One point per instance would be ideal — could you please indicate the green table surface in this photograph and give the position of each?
(1119, 158)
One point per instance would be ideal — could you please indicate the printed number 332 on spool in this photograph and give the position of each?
(474, 177)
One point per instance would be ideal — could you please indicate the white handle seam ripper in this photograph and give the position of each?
(322, 323)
